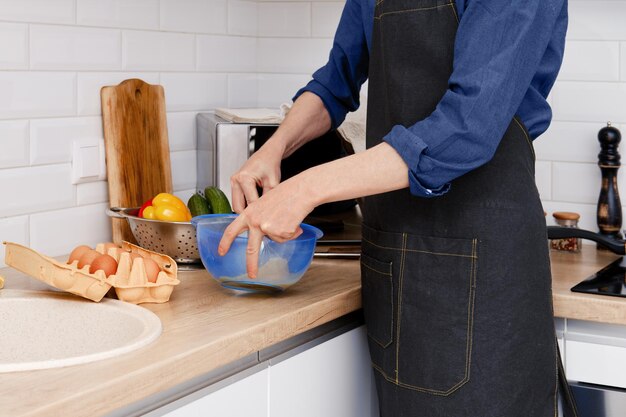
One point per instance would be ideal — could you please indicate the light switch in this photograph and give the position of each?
(88, 162)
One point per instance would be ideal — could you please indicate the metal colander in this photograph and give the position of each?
(174, 239)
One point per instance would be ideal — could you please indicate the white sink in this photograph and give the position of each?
(40, 330)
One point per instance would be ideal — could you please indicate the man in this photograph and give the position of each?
(455, 269)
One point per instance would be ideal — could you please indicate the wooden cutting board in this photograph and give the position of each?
(136, 145)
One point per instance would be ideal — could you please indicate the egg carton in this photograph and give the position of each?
(130, 281)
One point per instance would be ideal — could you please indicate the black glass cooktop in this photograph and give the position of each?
(607, 281)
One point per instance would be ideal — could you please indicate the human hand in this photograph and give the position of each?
(262, 169)
(277, 214)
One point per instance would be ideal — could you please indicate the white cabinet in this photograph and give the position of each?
(331, 379)
(244, 398)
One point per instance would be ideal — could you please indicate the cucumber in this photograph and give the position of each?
(217, 200)
(198, 205)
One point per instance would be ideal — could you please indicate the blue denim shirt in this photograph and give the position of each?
(506, 58)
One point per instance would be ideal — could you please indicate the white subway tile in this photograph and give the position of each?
(197, 16)
(136, 14)
(285, 19)
(569, 142)
(35, 189)
(326, 18)
(13, 229)
(623, 61)
(62, 47)
(590, 61)
(242, 18)
(37, 94)
(292, 55)
(596, 20)
(92, 193)
(158, 51)
(42, 11)
(589, 101)
(14, 143)
(183, 170)
(587, 213)
(57, 232)
(181, 129)
(189, 91)
(575, 182)
(51, 139)
(275, 89)
(543, 178)
(243, 90)
(13, 46)
(226, 53)
(90, 84)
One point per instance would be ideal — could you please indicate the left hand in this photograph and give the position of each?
(277, 215)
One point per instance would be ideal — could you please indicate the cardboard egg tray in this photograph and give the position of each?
(130, 280)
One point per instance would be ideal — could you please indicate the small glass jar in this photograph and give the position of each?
(566, 219)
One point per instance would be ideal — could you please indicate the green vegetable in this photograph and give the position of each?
(217, 200)
(198, 205)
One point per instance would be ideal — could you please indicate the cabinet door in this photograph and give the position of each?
(244, 398)
(331, 379)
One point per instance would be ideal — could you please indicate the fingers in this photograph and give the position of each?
(255, 237)
(239, 199)
(244, 192)
(232, 231)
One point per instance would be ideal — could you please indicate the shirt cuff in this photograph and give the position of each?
(335, 108)
(411, 148)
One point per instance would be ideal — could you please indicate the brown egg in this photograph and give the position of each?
(106, 263)
(87, 258)
(152, 269)
(78, 252)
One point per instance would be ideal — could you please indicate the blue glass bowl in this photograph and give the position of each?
(280, 264)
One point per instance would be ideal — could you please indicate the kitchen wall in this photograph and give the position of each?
(54, 57)
(56, 54)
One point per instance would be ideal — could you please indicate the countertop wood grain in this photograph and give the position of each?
(206, 327)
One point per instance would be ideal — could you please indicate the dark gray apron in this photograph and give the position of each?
(456, 289)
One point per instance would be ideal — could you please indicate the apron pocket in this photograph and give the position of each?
(435, 314)
(377, 294)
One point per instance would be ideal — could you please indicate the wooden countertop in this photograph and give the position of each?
(206, 327)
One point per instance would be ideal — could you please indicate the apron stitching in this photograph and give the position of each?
(375, 270)
(414, 388)
(415, 10)
(456, 15)
(419, 251)
(404, 236)
(532, 149)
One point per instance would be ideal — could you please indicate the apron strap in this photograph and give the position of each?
(569, 403)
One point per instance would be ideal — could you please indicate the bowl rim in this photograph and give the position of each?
(317, 233)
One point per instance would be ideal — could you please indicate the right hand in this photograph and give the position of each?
(262, 170)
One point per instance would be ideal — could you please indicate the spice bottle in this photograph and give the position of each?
(566, 219)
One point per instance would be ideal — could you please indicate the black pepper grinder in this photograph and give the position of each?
(609, 205)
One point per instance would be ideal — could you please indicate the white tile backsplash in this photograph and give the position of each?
(158, 51)
(14, 143)
(591, 61)
(51, 140)
(136, 14)
(189, 91)
(40, 11)
(13, 229)
(13, 46)
(34, 189)
(242, 18)
(285, 19)
(55, 55)
(89, 85)
(215, 53)
(57, 232)
(325, 18)
(37, 94)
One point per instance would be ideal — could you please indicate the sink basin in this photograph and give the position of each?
(40, 330)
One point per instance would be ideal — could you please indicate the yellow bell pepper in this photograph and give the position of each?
(167, 207)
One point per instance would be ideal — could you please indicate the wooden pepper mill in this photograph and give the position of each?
(609, 205)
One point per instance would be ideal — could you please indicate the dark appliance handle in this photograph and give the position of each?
(614, 245)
